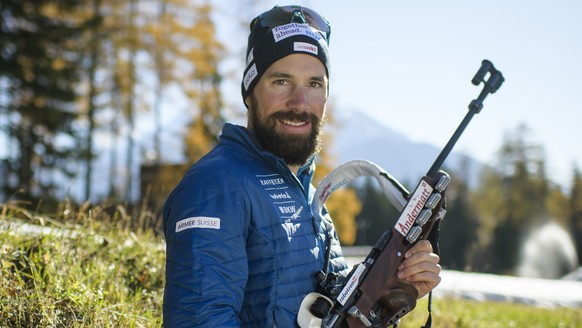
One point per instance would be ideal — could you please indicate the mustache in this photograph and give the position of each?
(294, 116)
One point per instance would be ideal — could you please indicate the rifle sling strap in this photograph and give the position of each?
(433, 237)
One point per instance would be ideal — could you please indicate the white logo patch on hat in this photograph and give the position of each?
(251, 56)
(199, 222)
(250, 76)
(305, 47)
(288, 30)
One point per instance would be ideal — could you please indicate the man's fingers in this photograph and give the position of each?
(421, 267)
(421, 246)
(417, 258)
(424, 282)
(422, 262)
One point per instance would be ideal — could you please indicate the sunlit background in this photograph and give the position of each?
(408, 64)
(142, 98)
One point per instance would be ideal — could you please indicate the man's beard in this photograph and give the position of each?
(295, 149)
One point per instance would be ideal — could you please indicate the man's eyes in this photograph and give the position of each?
(312, 84)
(315, 84)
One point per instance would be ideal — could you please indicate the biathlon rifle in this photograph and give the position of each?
(372, 295)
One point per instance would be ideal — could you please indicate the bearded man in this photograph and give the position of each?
(242, 244)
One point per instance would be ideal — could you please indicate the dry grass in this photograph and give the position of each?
(81, 267)
(98, 266)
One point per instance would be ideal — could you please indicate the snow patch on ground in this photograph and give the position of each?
(489, 287)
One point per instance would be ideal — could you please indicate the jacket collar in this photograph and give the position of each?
(237, 134)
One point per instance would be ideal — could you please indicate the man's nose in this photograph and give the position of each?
(298, 99)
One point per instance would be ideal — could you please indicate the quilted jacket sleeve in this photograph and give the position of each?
(206, 264)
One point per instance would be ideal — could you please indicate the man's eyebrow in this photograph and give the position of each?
(319, 78)
(279, 75)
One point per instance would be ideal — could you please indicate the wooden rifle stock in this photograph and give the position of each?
(380, 298)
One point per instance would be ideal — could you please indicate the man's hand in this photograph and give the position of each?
(421, 268)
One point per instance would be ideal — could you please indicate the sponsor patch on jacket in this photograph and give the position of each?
(198, 222)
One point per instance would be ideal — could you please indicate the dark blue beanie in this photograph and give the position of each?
(266, 45)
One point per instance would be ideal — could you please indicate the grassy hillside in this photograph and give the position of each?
(88, 269)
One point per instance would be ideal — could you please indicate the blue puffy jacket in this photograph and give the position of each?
(242, 245)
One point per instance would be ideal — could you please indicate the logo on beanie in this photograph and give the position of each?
(250, 76)
(288, 30)
(251, 56)
(305, 47)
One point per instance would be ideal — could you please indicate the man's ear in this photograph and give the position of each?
(247, 102)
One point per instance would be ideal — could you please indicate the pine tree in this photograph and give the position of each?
(513, 199)
(39, 65)
(377, 214)
(129, 106)
(94, 56)
(458, 236)
(576, 212)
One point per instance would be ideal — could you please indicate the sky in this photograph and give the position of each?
(409, 64)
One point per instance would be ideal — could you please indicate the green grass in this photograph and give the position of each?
(101, 272)
(454, 313)
(89, 276)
